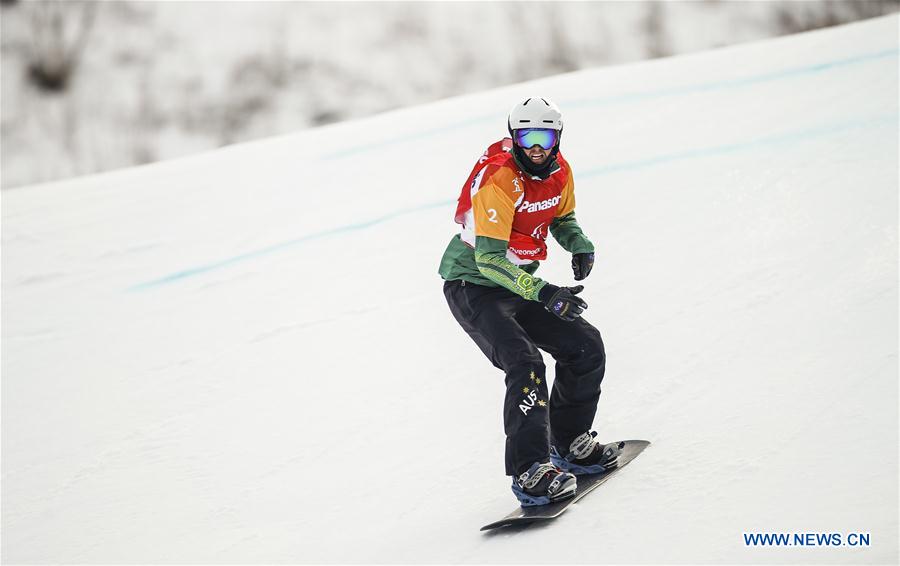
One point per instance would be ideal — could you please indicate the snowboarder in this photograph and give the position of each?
(521, 189)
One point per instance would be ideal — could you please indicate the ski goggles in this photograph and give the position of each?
(530, 137)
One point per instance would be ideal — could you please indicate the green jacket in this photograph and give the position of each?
(486, 264)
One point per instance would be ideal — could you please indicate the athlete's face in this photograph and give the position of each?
(537, 154)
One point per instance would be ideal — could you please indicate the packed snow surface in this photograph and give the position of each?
(245, 355)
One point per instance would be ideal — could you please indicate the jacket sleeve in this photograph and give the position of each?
(490, 257)
(493, 208)
(565, 228)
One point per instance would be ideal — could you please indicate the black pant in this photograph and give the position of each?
(509, 330)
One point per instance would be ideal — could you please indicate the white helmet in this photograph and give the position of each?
(535, 112)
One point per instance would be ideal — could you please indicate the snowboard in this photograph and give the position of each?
(586, 484)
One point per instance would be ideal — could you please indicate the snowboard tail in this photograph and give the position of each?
(586, 484)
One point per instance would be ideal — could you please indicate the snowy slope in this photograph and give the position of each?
(245, 355)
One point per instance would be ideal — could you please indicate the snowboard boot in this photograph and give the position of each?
(542, 484)
(587, 456)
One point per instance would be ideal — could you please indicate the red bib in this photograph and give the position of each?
(537, 202)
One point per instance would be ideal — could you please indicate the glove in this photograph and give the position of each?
(582, 265)
(562, 301)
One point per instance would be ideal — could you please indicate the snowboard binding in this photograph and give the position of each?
(587, 456)
(543, 483)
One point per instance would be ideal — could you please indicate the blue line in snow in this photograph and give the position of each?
(766, 141)
(206, 268)
(421, 134)
(737, 82)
